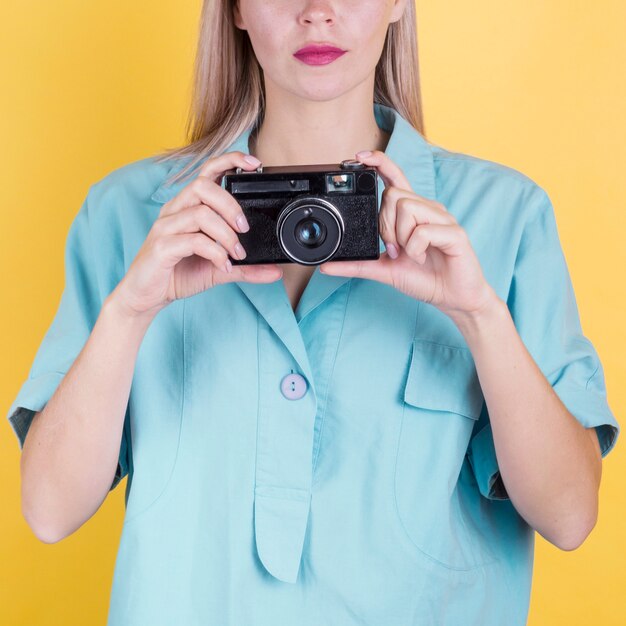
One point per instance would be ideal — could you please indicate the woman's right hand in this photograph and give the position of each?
(186, 250)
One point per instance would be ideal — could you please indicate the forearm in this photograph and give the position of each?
(549, 464)
(71, 451)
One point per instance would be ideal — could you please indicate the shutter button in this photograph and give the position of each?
(293, 386)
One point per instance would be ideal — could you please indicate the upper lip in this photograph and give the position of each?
(319, 47)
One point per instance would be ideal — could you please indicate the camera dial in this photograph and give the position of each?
(352, 164)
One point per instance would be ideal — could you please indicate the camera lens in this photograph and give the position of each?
(310, 232)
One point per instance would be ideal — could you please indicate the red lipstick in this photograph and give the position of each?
(318, 54)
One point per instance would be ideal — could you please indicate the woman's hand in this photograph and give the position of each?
(186, 250)
(435, 261)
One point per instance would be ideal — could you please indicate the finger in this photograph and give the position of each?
(212, 171)
(379, 270)
(172, 248)
(215, 168)
(258, 273)
(201, 218)
(391, 173)
(402, 210)
(411, 212)
(204, 191)
(451, 239)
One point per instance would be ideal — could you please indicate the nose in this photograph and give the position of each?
(317, 12)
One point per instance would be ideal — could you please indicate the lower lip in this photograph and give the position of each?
(318, 58)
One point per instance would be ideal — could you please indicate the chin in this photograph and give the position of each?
(325, 92)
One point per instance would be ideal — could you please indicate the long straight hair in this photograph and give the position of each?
(228, 93)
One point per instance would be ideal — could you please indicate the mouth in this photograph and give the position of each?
(318, 54)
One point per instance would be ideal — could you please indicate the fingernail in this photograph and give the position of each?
(228, 266)
(252, 160)
(391, 250)
(241, 253)
(364, 153)
(242, 223)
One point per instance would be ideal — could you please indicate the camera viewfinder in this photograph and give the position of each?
(339, 183)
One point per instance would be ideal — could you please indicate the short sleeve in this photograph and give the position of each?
(543, 306)
(71, 326)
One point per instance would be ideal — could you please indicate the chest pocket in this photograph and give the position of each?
(443, 378)
(441, 516)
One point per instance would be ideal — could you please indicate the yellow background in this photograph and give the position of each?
(87, 87)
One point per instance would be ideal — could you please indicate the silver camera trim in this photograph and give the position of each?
(294, 205)
(240, 170)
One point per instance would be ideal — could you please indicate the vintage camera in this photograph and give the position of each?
(307, 214)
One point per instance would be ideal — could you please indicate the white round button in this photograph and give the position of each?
(293, 386)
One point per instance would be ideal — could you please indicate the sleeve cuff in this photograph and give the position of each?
(32, 397)
(592, 411)
(482, 457)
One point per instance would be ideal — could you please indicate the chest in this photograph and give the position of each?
(295, 279)
(213, 429)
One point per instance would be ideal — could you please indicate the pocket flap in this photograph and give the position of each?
(443, 378)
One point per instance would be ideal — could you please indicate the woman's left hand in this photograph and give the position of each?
(436, 262)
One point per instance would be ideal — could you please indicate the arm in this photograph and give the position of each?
(541, 377)
(71, 448)
(535, 436)
(71, 451)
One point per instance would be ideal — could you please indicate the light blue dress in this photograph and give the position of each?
(333, 466)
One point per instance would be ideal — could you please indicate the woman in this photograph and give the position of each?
(367, 442)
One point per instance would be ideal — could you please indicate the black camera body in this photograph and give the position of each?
(307, 214)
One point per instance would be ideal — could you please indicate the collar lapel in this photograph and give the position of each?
(407, 148)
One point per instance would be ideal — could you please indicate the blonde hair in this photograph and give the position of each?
(228, 94)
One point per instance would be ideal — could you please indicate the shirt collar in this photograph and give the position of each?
(406, 147)
(409, 150)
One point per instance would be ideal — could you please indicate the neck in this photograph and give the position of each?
(298, 131)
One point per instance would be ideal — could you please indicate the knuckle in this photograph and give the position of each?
(201, 239)
(421, 232)
(157, 227)
(158, 245)
(412, 246)
(201, 183)
(393, 195)
(218, 253)
(202, 242)
(403, 203)
(201, 212)
(166, 208)
(385, 224)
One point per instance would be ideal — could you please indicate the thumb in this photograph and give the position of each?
(253, 273)
(378, 269)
